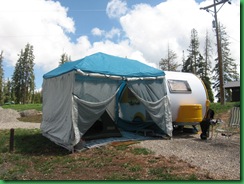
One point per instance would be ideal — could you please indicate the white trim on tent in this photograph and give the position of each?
(117, 77)
(99, 75)
(144, 78)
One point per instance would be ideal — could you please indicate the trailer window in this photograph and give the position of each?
(179, 86)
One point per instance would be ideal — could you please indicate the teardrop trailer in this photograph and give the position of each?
(189, 101)
(188, 97)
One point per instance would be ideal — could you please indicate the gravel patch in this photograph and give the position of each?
(220, 158)
(8, 120)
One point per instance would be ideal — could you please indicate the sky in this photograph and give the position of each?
(136, 29)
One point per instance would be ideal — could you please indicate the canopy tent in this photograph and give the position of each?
(77, 94)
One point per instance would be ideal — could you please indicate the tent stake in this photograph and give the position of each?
(11, 140)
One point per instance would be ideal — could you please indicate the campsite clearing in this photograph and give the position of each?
(121, 161)
(37, 158)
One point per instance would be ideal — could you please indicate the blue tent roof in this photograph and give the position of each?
(107, 64)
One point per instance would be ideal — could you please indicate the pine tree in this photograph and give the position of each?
(205, 78)
(191, 63)
(23, 77)
(207, 67)
(207, 83)
(64, 58)
(197, 64)
(183, 59)
(207, 55)
(169, 63)
(37, 97)
(229, 66)
(199, 70)
(1, 79)
(7, 91)
(187, 65)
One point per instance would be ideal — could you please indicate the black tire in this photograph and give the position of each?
(203, 137)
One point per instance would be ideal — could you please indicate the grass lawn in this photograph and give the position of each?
(218, 108)
(22, 107)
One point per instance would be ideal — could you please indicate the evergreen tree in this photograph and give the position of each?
(64, 58)
(207, 55)
(205, 78)
(23, 77)
(7, 92)
(229, 66)
(1, 79)
(187, 65)
(169, 63)
(197, 64)
(207, 67)
(207, 83)
(37, 97)
(191, 63)
(183, 59)
(199, 71)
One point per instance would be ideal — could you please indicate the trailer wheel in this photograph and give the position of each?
(203, 137)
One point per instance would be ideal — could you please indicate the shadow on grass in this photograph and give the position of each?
(32, 142)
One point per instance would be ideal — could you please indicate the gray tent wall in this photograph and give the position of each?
(57, 124)
(73, 102)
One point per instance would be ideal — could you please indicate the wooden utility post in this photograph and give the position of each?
(221, 80)
(220, 59)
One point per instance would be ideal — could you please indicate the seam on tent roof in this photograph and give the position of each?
(99, 75)
(144, 78)
(117, 77)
